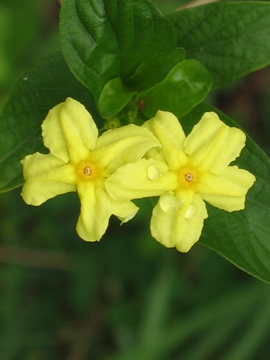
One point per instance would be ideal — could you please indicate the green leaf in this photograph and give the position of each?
(47, 84)
(153, 70)
(114, 96)
(105, 39)
(242, 237)
(230, 38)
(185, 86)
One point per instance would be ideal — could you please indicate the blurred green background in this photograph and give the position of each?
(126, 297)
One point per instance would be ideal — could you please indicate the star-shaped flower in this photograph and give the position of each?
(184, 173)
(80, 160)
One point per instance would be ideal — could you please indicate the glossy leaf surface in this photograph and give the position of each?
(185, 86)
(113, 98)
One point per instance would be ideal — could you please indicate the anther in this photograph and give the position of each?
(87, 171)
(188, 177)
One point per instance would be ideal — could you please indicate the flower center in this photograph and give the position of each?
(87, 171)
(187, 177)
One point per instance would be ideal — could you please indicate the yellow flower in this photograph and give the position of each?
(79, 160)
(185, 172)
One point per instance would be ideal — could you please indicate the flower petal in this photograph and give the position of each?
(124, 210)
(144, 178)
(95, 212)
(228, 190)
(232, 182)
(110, 137)
(47, 167)
(212, 145)
(36, 192)
(46, 176)
(225, 202)
(53, 136)
(37, 163)
(155, 153)
(166, 127)
(180, 225)
(69, 131)
(124, 145)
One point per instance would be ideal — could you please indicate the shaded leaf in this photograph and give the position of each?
(113, 97)
(47, 84)
(104, 39)
(152, 71)
(184, 87)
(230, 38)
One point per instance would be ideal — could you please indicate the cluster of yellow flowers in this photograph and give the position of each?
(131, 162)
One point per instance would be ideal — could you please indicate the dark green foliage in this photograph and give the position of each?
(231, 39)
(40, 89)
(102, 40)
(127, 297)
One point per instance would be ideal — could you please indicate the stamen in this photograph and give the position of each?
(87, 171)
(189, 177)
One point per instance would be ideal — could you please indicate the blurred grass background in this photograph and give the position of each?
(126, 297)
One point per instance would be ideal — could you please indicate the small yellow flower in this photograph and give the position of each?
(184, 173)
(80, 160)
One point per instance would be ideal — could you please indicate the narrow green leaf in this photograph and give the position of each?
(105, 39)
(113, 97)
(242, 237)
(47, 84)
(185, 86)
(230, 38)
(153, 70)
